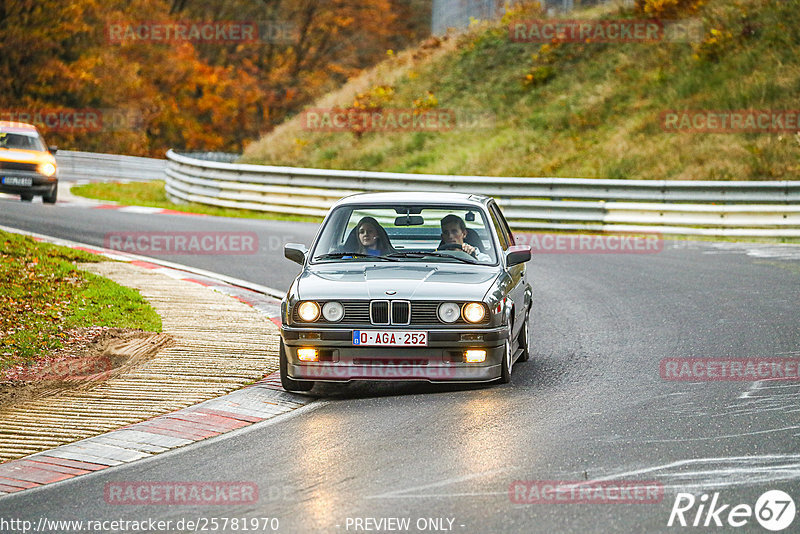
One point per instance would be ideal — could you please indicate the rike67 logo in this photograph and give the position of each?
(774, 510)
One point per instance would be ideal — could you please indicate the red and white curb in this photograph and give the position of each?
(146, 210)
(69, 200)
(256, 403)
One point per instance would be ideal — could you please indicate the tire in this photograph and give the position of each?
(26, 197)
(524, 341)
(287, 383)
(507, 364)
(51, 197)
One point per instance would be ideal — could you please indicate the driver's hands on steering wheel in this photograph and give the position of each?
(469, 249)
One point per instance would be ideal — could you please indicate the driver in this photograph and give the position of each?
(453, 233)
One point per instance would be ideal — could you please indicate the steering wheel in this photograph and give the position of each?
(451, 246)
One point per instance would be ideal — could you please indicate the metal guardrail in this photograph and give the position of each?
(664, 206)
(74, 166)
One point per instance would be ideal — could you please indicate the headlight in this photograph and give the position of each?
(48, 169)
(449, 312)
(474, 312)
(333, 311)
(308, 311)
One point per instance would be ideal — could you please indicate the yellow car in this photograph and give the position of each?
(27, 164)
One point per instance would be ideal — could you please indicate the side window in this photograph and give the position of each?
(500, 226)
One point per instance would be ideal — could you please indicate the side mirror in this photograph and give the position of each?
(52, 149)
(295, 252)
(517, 254)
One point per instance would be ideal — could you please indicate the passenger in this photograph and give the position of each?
(454, 231)
(372, 238)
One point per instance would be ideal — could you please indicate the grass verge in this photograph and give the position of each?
(152, 194)
(43, 294)
(588, 109)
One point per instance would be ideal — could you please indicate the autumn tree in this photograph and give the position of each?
(190, 95)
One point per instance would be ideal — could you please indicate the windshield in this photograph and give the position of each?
(20, 141)
(406, 233)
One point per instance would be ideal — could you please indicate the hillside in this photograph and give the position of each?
(585, 109)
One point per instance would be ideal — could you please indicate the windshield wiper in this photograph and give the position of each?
(432, 253)
(339, 255)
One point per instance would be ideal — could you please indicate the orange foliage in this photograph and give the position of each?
(188, 95)
(668, 9)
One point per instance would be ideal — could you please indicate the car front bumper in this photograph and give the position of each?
(40, 184)
(440, 361)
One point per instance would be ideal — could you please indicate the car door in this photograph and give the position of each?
(517, 272)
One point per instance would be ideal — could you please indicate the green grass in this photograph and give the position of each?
(43, 294)
(152, 194)
(590, 110)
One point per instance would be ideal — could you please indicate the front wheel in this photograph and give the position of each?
(51, 197)
(287, 383)
(508, 355)
(523, 340)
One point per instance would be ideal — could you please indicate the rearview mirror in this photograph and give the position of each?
(409, 220)
(295, 252)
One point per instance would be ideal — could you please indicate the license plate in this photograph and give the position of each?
(16, 180)
(390, 338)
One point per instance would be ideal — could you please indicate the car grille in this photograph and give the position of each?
(379, 312)
(401, 312)
(376, 312)
(15, 166)
(386, 312)
(356, 312)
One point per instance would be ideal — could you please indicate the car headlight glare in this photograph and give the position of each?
(474, 312)
(48, 169)
(449, 312)
(333, 311)
(308, 311)
(307, 355)
(475, 356)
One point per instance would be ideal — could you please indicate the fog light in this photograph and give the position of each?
(475, 356)
(307, 355)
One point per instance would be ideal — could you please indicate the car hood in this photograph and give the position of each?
(26, 156)
(442, 281)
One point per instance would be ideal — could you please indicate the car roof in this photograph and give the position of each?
(18, 127)
(419, 197)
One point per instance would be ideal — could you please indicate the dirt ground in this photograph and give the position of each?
(89, 357)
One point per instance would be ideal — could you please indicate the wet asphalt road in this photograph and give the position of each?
(590, 404)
